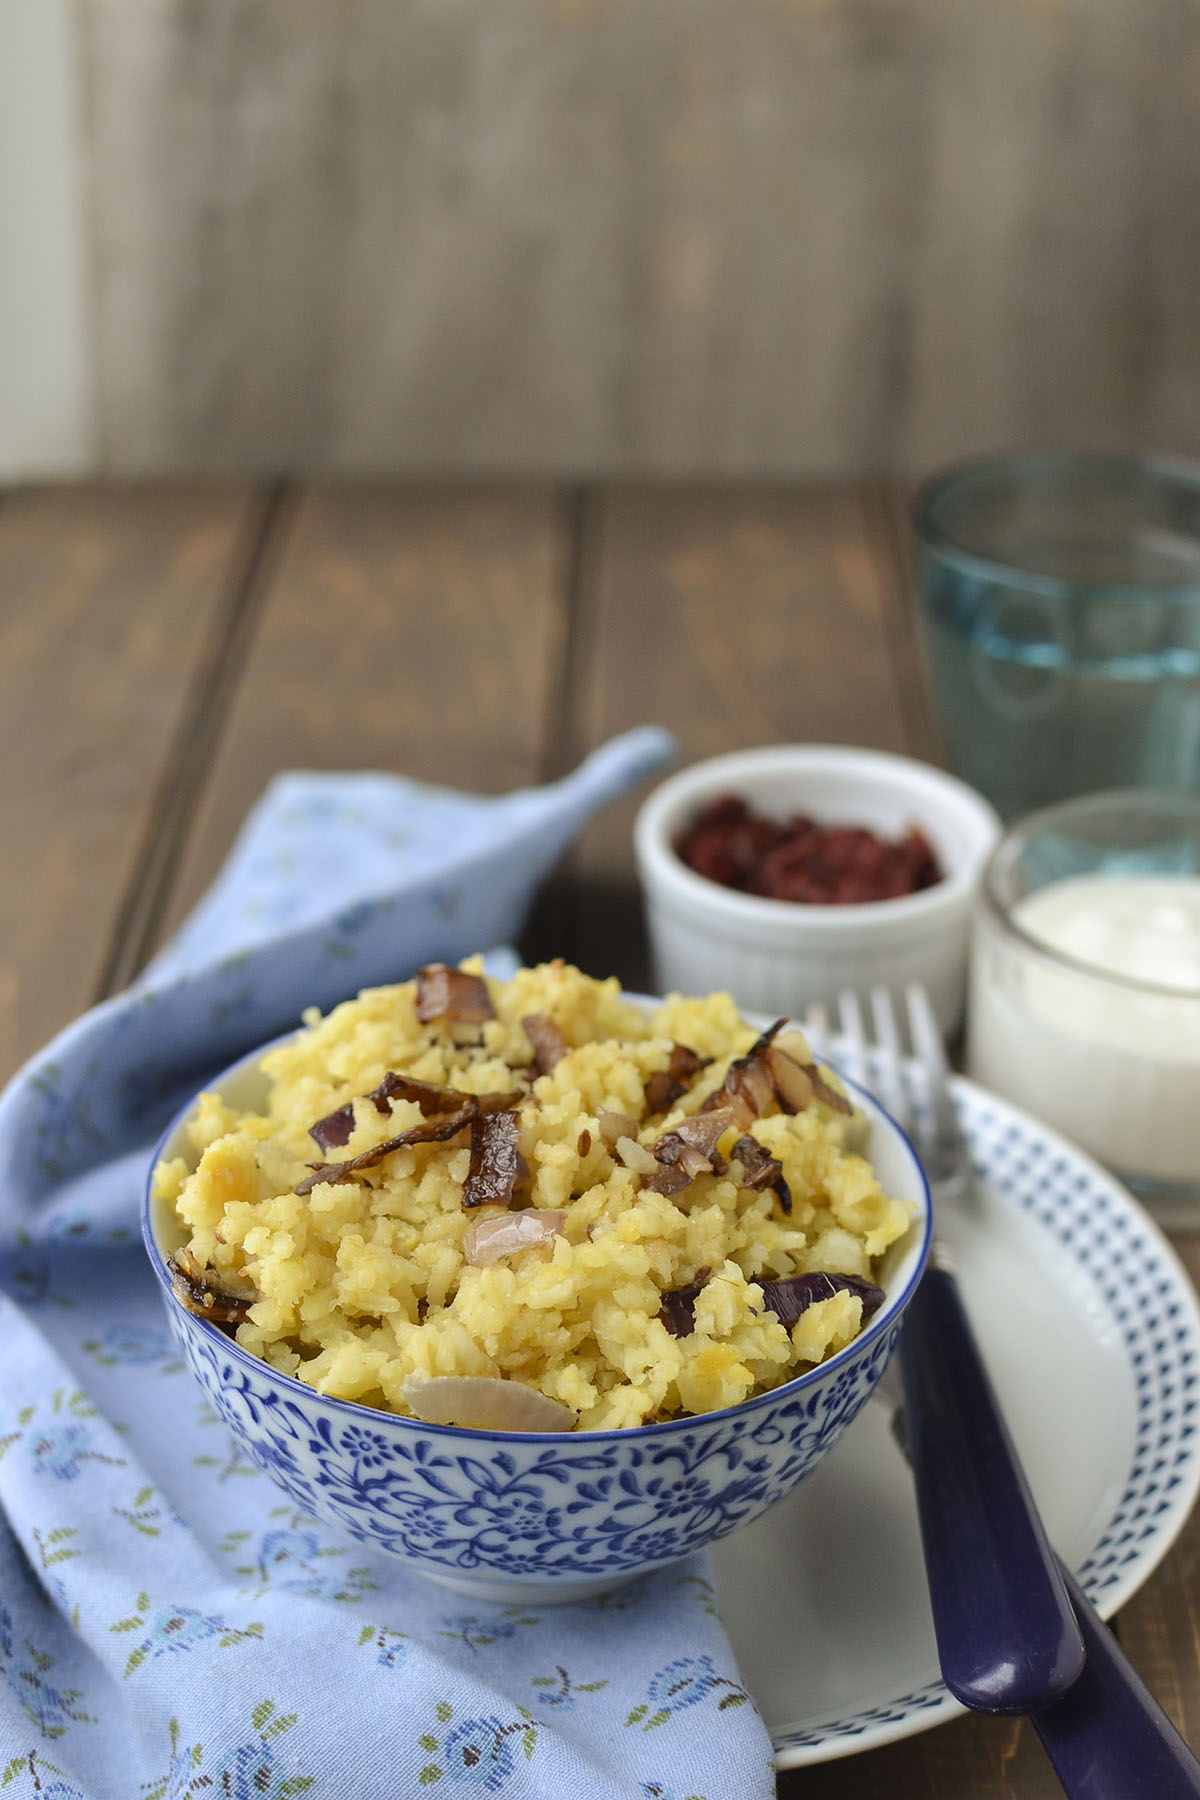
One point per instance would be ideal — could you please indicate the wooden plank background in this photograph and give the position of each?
(630, 237)
(112, 602)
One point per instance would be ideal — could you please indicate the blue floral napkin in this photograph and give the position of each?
(170, 1623)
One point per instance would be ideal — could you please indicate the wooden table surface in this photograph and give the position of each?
(165, 649)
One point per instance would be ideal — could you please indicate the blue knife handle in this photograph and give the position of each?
(1007, 1637)
(1108, 1737)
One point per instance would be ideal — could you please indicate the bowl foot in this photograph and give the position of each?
(503, 1590)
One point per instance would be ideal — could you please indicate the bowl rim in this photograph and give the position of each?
(664, 872)
(1064, 465)
(1000, 914)
(887, 1315)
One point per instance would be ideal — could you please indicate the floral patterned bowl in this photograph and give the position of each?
(510, 1516)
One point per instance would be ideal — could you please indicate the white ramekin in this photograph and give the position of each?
(777, 956)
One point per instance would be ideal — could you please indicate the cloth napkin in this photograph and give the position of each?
(170, 1623)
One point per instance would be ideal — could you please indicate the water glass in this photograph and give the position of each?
(1059, 606)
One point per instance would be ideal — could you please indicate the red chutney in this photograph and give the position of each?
(797, 859)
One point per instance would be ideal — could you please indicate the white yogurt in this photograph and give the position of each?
(1112, 1064)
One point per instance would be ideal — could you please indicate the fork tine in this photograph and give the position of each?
(816, 1024)
(853, 1048)
(927, 1042)
(890, 1060)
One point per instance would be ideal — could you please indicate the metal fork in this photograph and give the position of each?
(1008, 1640)
(1015, 1632)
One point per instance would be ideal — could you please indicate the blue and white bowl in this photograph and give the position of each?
(546, 1516)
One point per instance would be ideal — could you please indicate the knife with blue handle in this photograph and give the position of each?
(1108, 1738)
(1007, 1636)
(997, 1591)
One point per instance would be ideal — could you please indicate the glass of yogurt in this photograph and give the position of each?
(1084, 1003)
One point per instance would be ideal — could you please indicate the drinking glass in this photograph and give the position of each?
(1084, 1004)
(1059, 606)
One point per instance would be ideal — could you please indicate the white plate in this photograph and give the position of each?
(1091, 1331)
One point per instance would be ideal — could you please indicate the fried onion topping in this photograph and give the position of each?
(446, 993)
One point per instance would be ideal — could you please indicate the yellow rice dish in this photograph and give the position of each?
(531, 1205)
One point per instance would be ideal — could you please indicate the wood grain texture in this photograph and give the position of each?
(412, 630)
(985, 1759)
(107, 599)
(614, 237)
(737, 616)
(151, 880)
(1160, 1626)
